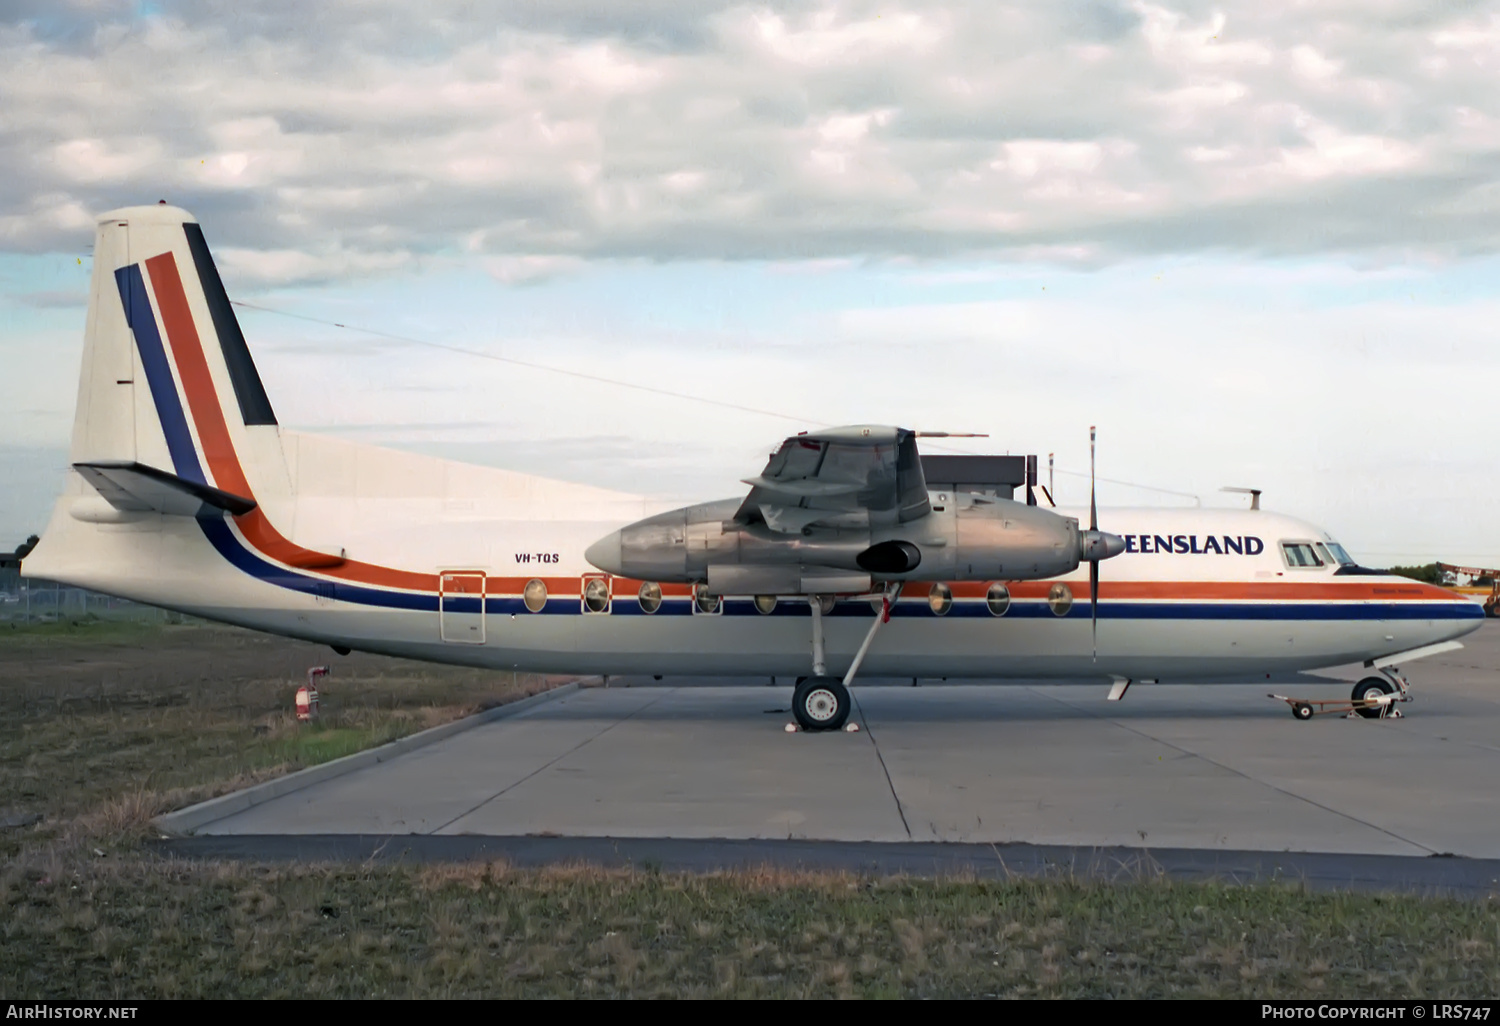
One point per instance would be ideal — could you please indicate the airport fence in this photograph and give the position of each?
(25, 600)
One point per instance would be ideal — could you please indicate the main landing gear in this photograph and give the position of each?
(822, 702)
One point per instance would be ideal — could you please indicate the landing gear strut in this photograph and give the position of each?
(822, 702)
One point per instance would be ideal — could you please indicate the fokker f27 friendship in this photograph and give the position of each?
(851, 552)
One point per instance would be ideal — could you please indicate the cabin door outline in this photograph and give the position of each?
(461, 606)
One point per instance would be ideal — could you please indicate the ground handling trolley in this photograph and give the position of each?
(1375, 707)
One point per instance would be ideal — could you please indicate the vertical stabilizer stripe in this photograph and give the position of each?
(197, 381)
(255, 405)
(142, 321)
(218, 445)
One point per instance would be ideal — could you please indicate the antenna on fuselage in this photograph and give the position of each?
(1254, 494)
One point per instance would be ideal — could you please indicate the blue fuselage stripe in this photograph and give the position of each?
(223, 539)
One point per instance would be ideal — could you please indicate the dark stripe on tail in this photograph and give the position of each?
(255, 406)
(142, 321)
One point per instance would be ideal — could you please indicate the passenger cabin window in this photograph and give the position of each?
(705, 604)
(1300, 555)
(535, 595)
(595, 595)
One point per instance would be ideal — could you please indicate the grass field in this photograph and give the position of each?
(104, 726)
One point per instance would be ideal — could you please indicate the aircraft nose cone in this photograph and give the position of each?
(1097, 545)
(605, 553)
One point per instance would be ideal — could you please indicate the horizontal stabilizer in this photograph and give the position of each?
(135, 487)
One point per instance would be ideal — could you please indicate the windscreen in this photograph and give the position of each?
(1339, 555)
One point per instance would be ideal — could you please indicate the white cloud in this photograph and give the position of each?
(530, 269)
(262, 267)
(827, 37)
(667, 130)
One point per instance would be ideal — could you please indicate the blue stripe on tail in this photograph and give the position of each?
(142, 320)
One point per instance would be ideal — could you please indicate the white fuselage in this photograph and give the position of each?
(1198, 610)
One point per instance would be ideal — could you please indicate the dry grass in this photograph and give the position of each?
(131, 927)
(101, 730)
(110, 723)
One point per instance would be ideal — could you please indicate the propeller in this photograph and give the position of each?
(1093, 563)
(1094, 546)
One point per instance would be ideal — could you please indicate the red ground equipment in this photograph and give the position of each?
(307, 695)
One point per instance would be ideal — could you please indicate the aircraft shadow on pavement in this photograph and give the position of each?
(699, 700)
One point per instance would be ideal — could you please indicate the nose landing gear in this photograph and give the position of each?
(1369, 693)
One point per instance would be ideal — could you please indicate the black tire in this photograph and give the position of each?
(1372, 687)
(1302, 711)
(821, 703)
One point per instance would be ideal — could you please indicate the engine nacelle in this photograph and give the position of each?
(971, 537)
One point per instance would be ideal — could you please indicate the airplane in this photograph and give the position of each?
(852, 552)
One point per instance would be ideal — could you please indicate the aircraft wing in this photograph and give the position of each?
(847, 477)
(137, 487)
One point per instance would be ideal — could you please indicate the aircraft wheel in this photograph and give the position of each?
(1302, 711)
(821, 703)
(1372, 687)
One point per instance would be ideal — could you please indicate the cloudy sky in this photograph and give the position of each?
(1256, 244)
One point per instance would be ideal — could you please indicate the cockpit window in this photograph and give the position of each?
(1339, 555)
(1300, 554)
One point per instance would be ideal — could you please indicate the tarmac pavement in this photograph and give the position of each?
(1207, 768)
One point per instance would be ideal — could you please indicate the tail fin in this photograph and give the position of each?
(172, 416)
(163, 353)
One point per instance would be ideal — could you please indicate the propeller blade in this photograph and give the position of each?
(1094, 605)
(1093, 564)
(1093, 507)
